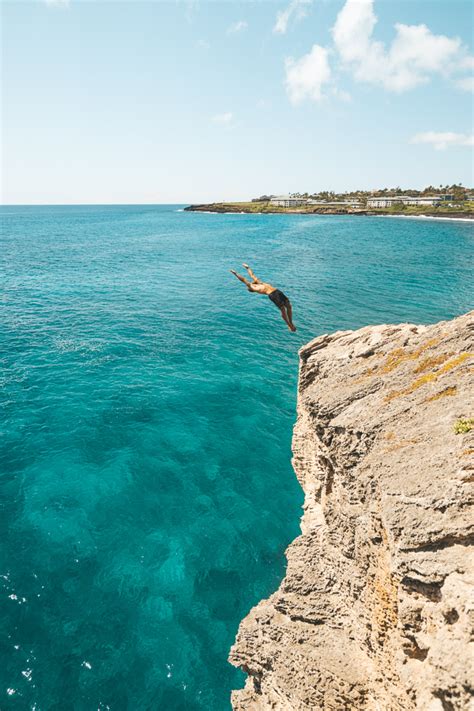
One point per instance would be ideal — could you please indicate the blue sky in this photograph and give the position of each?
(138, 102)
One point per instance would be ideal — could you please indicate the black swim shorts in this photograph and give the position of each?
(279, 298)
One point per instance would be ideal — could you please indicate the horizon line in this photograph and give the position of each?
(89, 204)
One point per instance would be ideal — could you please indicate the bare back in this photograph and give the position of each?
(261, 287)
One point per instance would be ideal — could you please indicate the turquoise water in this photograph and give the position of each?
(147, 403)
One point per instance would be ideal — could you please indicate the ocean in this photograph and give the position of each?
(146, 410)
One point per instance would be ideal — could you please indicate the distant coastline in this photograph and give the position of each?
(465, 212)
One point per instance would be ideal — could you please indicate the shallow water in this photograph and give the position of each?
(146, 404)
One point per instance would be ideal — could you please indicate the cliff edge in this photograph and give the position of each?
(374, 610)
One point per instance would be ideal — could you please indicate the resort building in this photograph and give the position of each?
(384, 201)
(287, 201)
(429, 200)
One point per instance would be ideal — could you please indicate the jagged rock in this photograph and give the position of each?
(374, 610)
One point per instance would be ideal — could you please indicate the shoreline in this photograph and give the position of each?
(466, 215)
(433, 217)
(208, 210)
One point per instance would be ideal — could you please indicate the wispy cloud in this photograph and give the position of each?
(306, 77)
(224, 119)
(203, 44)
(465, 84)
(442, 140)
(190, 8)
(296, 10)
(236, 27)
(56, 3)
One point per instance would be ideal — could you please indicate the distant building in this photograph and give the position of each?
(383, 201)
(287, 201)
(429, 200)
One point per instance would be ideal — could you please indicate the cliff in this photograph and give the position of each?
(373, 612)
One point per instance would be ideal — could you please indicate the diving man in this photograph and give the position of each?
(278, 297)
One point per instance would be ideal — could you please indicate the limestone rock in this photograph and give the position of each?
(374, 612)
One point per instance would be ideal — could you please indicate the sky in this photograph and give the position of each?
(197, 101)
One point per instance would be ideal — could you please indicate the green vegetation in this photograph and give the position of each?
(463, 425)
(457, 190)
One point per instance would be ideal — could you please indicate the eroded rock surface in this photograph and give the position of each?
(374, 611)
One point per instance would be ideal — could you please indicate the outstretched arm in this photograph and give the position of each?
(252, 275)
(242, 279)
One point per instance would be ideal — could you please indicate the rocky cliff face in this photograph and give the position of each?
(374, 612)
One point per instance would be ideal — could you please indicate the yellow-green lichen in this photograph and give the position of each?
(463, 425)
(399, 356)
(447, 392)
(432, 362)
(429, 377)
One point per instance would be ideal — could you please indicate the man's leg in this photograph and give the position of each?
(285, 317)
(255, 279)
(289, 311)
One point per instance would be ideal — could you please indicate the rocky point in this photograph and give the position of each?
(375, 609)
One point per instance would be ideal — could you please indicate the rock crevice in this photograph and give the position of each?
(374, 612)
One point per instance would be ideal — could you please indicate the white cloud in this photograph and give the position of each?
(295, 9)
(467, 63)
(57, 3)
(203, 44)
(353, 29)
(305, 77)
(224, 119)
(442, 140)
(237, 27)
(414, 55)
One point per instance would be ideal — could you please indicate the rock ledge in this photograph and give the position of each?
(374, 610)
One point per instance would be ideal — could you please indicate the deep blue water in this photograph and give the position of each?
(146, 404)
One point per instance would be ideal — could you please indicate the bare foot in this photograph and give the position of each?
(232, 271)
(292, 328)
(246, 266)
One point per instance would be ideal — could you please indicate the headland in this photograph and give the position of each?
(374, 610)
